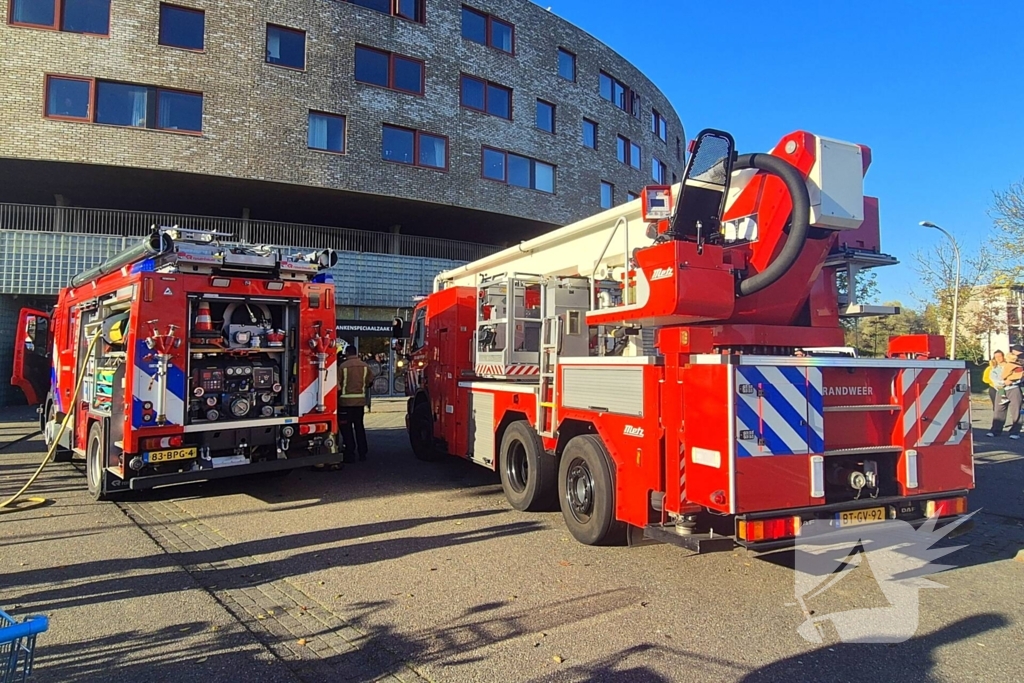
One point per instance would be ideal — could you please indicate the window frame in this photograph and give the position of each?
(628, 152)
(486, 83)
(391, 70)
(632, 196)
(489, 30)
(659, 126)
(631, 100)
(287, 29)
(421, 5)
(344, 136)
(611, 195)
(575, 71)
(533, 170)
(662, 167)
(416, 134)
(554, 116)
(75, 119)
(58, 20)
(181, 8)
(94, 84)
(583, 128)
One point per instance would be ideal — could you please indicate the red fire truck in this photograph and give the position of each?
(185, 359)
(648, 369)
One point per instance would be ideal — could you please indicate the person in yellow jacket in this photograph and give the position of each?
(354, 379)
(993, 377)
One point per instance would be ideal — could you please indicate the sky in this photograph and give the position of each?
(935, 89)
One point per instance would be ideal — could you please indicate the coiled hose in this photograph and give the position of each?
(6, 506)
(800, 219)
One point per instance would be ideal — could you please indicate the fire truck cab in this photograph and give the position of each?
(186, 359)
(645, 369)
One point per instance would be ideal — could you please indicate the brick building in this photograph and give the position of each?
(411, 134)
(438, 117)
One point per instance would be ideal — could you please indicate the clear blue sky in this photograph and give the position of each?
(936, 89)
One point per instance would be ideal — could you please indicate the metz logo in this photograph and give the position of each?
(630, 430)
(849, 391)
(661, 273)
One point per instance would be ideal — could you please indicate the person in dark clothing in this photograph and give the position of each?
(1012, 373)
(354, 379)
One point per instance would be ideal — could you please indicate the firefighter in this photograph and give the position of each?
(354, 380)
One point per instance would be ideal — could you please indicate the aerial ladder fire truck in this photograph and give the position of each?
(184, 359)
(649, 369)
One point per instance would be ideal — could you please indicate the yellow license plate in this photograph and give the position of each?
(155, 457)
(866, 516)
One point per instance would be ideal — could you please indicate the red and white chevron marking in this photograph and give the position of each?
(497, 370)
(935, 411)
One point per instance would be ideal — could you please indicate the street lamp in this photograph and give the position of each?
(956, 286)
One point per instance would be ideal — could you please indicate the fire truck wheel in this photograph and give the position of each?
(60, 454)
(586, 492)
(528, 474)
(421, 432)
(95, 461)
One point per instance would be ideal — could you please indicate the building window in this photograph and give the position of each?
(658, 171)
(566, 65)
(124, 104)
(622, 96)
(485, 96)
(485, 29)
(182, 27)
(658, 126)
(406, 9)
(590, 133)
(73, 16)
(546, 116)
(68, 98)
(627, 152)
(607, 195)
(389, 70)
(326, 132)
(286, 47)
(630, 196)
(415, 148)
(518, 170)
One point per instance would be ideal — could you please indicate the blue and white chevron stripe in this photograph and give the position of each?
(778, 410)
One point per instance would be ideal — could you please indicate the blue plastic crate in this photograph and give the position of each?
(17, 645)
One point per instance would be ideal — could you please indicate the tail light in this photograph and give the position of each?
(152, 442)
(318, 428)
(768, 529)
(947, 507)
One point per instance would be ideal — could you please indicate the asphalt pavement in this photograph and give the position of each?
(396, 569)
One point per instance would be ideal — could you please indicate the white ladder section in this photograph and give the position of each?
(547, 412)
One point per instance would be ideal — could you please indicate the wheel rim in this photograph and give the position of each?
(517, 468)
(92, 466)
(579, 490)
(50, 426)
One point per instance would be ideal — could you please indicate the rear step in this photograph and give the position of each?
(698, 543)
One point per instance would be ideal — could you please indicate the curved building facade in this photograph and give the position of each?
(485, 121)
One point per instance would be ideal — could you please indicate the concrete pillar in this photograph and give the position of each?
(396, 239)
(245, 225)
(61, 202)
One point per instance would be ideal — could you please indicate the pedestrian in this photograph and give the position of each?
(1011, 373)
(993, 378)
(354, 379)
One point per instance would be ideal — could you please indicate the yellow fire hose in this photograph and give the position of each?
(8, 505)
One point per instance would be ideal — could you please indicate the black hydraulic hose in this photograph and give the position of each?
(800, 219)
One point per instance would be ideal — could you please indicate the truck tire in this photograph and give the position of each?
(528, 474)
(60, 454)
(96, 462)
(421, 432)
(586, 492)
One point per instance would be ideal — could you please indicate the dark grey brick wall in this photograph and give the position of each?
(255, 114)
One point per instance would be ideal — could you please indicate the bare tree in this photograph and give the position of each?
(936, 270)
(1007, 213)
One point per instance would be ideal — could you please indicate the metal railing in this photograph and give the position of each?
(79, 220)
